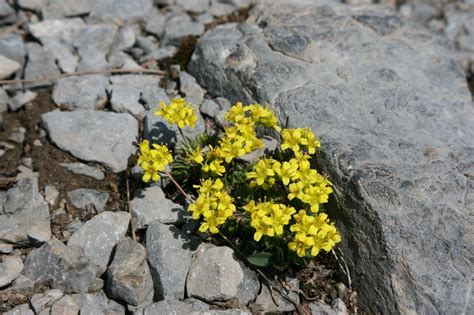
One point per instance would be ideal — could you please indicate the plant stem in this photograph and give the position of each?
(181, 190)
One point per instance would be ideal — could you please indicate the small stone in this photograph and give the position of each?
(342, 291)
(65, 306)
(42, 301)
(319, 308)
(129, 277)
(216, 275)
(209, 108)
(160, 54)
(91, 59)
(156, 24)
(95, 38)
(194, 6)
(269, 146)
(63, 8)
(18, 135)
(218, 8)
(25, 217)
(127, 92)
(179, 26)
(33, 5)
(190, 88)
(147, 43)
(62, 30)
(64, 55)
(13, 47)
(223, 103)
(119, 59)
(51, 195)
(6, 248)
(41, 64)
(99, 236)
(7, 67)
(65, 267)
(37, 143)
(205, 18)
(10, 268)
(122, 11)
(170, 306)
(151, 204)
(94, 136)
(23, 309)
(20, 99)
(197, 305)
(98, 303)
(221, 119)
(169, 255)
(82, 198)
(125, 38)
(84, 169)
(28, 162)
(339, 307)
(82, 92)
(265, 302)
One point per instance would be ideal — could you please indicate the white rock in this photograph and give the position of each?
(7, 67)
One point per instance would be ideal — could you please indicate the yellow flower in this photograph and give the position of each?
(196, 155)
(215, 166)
(263, 173)
(237, 114)
(299, 138)
(264, 116)
(153, 161)
(178, 112)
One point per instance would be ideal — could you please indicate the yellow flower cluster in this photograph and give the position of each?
(153, 161)
(240, 138)
(268, 218)
(178, 112)
(213, 204)
(299, 138)
(264, 173)
(312, 234)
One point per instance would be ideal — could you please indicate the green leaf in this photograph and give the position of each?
(262, 259)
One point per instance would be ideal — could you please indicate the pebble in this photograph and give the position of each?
(160, 54)
(156, 24)
(122, 11)
(51, 195)
(82, 92)
(84, 169)
(209, 108)
(179, 26)
(98, 236)
(18, 135)
(64, 54)
(20, 99)
(41, 64)
(13, 47)
(193, 6)
(62, 30)
(125, 39)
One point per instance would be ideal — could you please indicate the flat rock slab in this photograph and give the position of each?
(99, 236)
(104, 137)
(83, 92)
(397, 125)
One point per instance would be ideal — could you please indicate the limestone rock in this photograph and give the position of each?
(67, 305)
(10, 269)
(22, 309)
(151, 204)
(42, 301)
(41, 65)
(128, 276)
(98, 303)
(66, 267)
(82, 92)
(94, 136)
(24, 217)
(62, 30)
(83, 197)
(169, 255)
(179, 26)
(216, 275)
(7, 67)
(122, 11)
(84, 169)
(396, 121)
(99, 236)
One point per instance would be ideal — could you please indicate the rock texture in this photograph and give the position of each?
(99, 236)
(129, 277)
(397, 125)
(94, 136)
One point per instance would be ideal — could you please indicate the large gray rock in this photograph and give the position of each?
(122, 11)
(169, 255)
(128, 276)
(216, 275)
(397, 125)
(24, 215)
(65, 267)
(104, 137)
(83, 92)
(99, 236)
(151, 204)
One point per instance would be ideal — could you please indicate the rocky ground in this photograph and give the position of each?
(79, 232)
